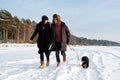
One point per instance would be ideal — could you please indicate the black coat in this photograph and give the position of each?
(65, 36)
(45, 36)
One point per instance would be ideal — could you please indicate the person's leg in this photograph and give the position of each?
(64, 56)
(63, 53)
(57, 54)
(41, 60)
(47, 53)
(41, 56)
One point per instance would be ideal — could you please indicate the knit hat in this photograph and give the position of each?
(44, 18)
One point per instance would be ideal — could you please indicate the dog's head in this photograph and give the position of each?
(84, 59)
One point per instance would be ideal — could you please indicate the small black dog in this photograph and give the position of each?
(85, 62)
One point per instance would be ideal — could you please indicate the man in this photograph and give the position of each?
(61, 37)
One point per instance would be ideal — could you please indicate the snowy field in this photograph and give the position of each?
(21, 62)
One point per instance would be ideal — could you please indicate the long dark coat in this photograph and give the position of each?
(65, 36)
(45, 36)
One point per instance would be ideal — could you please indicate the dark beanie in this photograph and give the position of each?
(44, 18)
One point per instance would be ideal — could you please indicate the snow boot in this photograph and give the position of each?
(42, 65)
(64, 58)
(48, 62)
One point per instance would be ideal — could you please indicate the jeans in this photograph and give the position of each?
(58, 46)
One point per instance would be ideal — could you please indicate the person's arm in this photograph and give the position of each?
(35, 33)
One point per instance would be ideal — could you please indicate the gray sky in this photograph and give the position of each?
(94, 19)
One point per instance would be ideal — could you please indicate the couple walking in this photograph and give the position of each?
(52, 37)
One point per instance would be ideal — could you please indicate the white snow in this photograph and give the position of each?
(21, 62)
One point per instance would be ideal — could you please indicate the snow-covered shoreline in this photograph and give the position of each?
(4, 45)
(9, 45)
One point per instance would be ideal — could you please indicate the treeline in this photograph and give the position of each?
(85, 41)
(13, 29)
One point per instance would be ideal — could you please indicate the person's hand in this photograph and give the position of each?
(30, 41)
(67, 43)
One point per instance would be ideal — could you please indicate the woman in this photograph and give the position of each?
(44, 39)
(61, 37)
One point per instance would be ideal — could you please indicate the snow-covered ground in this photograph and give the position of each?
(21, 62)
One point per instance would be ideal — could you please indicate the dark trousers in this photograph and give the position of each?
(47, 54)
(58, 47)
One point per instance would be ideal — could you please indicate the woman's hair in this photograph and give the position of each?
(57, 17)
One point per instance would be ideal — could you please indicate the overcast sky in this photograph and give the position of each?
(93, 19)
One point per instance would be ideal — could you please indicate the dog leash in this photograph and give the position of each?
(50, 46)
(78, 58)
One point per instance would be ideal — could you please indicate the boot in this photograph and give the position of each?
(58, 64)
(47, 64)
(42, 65)
(64, 58)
